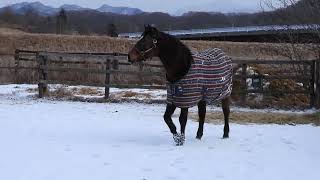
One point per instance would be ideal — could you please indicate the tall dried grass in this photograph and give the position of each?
(11, 40)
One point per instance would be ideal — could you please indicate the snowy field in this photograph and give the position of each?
(60, 140)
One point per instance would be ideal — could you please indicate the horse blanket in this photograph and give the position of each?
(209, 78)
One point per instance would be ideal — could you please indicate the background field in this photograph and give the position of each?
(10, 40)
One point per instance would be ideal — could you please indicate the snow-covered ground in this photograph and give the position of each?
(59, 140)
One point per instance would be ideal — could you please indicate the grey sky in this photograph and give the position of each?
(171, 6)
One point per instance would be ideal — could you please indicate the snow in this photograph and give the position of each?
(22, 91)
(60, 140)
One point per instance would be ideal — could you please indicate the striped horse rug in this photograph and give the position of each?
(209, 79)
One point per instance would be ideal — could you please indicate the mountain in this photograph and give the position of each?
(22, 8)
(73, 7)
(41, 9)
(119, 10)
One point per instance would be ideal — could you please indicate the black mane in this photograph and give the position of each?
(175, 56)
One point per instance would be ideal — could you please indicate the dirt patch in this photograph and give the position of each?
(262, 118)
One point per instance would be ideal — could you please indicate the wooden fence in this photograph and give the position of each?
(112, 62)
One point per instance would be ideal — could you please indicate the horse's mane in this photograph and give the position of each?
(175, 56)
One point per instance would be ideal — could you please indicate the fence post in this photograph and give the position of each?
(107, 80)
(16, 66)
(317, 83)
(115, 64)
(312, 84)
(244, 84)
(42, 86)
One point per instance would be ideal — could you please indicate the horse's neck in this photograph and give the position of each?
(176, 59)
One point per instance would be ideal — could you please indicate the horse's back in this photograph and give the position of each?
(209, 79)
(214, 55)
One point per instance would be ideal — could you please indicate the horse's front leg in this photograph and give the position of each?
(167, 118)
(183, 122)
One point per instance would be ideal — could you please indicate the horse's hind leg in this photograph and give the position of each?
(202, 115)
(226, 112)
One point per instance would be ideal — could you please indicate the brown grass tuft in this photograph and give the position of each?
(88, 91)
(61, 92)
(262, 118)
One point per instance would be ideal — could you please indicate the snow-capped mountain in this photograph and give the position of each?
(73, 7)
(119, 10)
(24, 7)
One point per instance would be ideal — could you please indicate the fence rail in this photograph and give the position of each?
(112, 61)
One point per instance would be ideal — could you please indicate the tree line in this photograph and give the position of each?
(93, 22)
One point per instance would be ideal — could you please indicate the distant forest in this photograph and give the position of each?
(93, 22)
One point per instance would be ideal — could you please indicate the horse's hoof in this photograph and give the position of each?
(225, 136)
(199, 136)
(176, 138)
(179, 144)
(179, 139)
(182, 138)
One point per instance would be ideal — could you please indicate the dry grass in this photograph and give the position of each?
(88, 91)
(32, 90)
(130, 95)
(262, 118)
(11, 31)
(61, 92)
(13, 39)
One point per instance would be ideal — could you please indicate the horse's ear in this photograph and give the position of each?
(155, 32)
(147, 27)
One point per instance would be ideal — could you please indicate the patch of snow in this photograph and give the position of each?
(52, 140)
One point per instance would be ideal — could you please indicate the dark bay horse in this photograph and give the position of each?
(192, 78)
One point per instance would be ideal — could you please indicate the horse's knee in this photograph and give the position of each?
(166, 118)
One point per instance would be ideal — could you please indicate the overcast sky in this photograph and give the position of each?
(170, 6)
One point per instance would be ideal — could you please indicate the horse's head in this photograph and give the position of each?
(146, 47)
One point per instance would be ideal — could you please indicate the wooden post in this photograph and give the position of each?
(140, 77)
(317, 82)
(244, 84)
(16, 66)
(115, 64)
(42, 86)
(107, 80)
(312, 83)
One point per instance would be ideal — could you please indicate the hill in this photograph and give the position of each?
(44, 10)
(88, 22)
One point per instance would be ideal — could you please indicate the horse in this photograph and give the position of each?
(193, 78)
